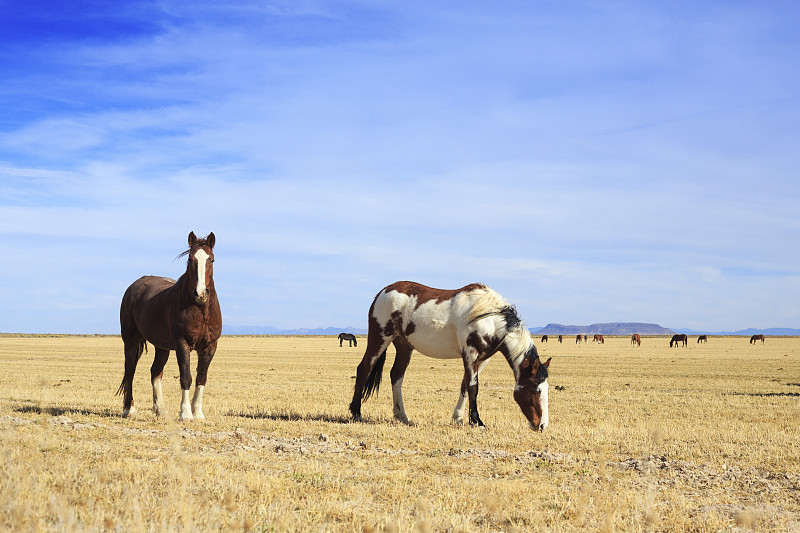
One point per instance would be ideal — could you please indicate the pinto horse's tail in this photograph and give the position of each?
(374, 379)
(130, 366)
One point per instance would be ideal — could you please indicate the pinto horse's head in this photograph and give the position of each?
(530, 392)
(200, 266)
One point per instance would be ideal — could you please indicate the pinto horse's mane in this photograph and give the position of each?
(490, 303)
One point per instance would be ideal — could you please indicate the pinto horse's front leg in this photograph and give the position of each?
(469, 388)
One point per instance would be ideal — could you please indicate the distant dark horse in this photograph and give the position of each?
(181, 315)
(678, 338)
(636, 339)
(702, 338)
(598, 338)
(471, 324)
(544, 338)
(349, 337)
(560, 339)
(578, 338)
(755, 338)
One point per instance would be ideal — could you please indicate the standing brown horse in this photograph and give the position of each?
(598, 338)
(756, 338)
(678, 338)
(636, 339)
(181, 315)
(560, 339)
(578, 338)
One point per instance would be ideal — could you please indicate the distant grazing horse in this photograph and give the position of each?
(181, 315)
(702, 338)
(578, 338)
(677, 338)
(585, 338)
(755, 338)
(560, 339)
(636, 339)
(349, 337)
(598, 338)
(544, 338)
(472, 323)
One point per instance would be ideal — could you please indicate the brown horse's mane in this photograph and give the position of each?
(199, 244)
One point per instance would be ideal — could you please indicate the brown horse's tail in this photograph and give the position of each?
(130, 366)
(374, 380)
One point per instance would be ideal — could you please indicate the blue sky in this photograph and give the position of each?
(592, 161)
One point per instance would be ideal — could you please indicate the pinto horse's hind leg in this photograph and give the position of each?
(156, 373)
(368, 374)
(401, 360)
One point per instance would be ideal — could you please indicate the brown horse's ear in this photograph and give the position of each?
(526, 362)
(192, 239)
(547, 363)
(211, 240)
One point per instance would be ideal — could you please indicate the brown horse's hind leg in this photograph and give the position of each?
(401, 361)
(156, 373)
(133, 351)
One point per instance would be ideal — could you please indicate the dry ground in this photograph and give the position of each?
(703, 438)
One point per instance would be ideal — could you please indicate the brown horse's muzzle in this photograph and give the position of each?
(201, 298)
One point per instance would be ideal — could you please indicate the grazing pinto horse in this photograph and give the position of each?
(349, 337)
(472, 323)
(544, 338)
(181, 315)
(702, 338)
(598, 338)
(636, 339)
(678, 338)
(755, 338)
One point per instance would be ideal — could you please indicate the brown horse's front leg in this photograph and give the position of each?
(182, 352)
(204, 358)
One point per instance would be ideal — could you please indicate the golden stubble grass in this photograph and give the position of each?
(703, 438)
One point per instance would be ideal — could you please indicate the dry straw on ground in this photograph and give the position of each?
(703, 438)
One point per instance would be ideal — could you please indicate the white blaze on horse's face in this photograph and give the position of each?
(201, 291)
(545, 420)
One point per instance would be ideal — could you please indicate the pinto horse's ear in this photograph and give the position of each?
(211, 240)
(192, 239)
(547, 363)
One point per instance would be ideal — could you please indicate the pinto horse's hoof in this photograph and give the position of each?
(129, 413)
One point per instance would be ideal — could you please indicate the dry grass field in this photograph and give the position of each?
(703, 438)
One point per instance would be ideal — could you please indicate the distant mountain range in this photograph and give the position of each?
(775, 332)
(269, 330)
(606, 328)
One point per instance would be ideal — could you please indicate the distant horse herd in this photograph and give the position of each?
(471, 323)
